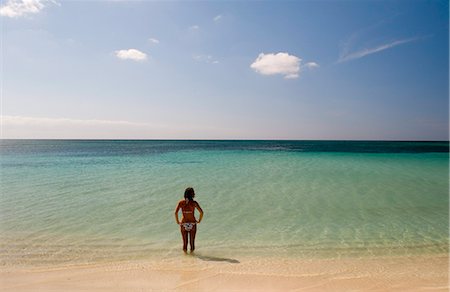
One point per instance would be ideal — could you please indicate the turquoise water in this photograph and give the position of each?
(91, 201)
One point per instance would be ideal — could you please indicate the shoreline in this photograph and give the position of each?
(204, 273)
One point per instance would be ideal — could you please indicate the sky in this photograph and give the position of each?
(321, 70)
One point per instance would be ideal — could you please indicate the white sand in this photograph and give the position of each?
(205, 273)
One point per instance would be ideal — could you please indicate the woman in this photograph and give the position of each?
(188, 223)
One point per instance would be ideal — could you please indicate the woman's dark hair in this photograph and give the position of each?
(189, 194)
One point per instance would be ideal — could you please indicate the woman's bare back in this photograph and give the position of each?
(187, 208)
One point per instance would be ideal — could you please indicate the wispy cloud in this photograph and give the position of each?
(18, 8)
(347, 56)
(131, 54)
(28, 127)
(19, 127)
(194, 27)
(217, 18)
(153, 41)
(205, 59)
(280, 63)
(24, 120)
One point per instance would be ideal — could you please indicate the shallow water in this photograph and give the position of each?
(91, 201)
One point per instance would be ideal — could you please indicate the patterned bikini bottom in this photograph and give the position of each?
(188, 226)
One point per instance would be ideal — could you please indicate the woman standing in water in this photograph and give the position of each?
(188, 223)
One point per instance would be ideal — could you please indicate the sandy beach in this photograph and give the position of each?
(203, 273)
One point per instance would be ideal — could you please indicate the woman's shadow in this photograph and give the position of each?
(215, 259)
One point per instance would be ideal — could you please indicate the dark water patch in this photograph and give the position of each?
(100, 148)
(183, 162)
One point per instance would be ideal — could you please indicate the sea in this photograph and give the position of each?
(68, 202)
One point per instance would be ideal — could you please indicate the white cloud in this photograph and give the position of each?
(311, 65)
(17, 8)
(194, 27)
(153, 41)
(131, 54)
(281, 63)
(346, 56)
(217, 18)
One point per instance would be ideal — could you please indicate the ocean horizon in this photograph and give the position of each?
(89, 201)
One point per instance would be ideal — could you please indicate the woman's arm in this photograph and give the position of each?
(201, 212)
(176, 213)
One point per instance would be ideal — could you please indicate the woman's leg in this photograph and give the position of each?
(192, 237)
(184, 234)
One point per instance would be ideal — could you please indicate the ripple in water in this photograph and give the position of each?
(81, 202)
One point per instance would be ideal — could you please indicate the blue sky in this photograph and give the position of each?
(225, 70)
